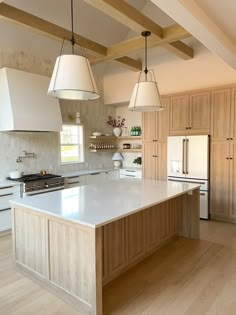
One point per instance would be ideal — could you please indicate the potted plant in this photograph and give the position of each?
(138, 161)
(117, 124)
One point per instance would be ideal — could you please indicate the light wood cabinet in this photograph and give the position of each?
(220, 168)
(220, 114)
(190, 114)
(155, 125)
(155, 160)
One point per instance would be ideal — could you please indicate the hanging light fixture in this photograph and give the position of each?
(72, 77)
(146, 96)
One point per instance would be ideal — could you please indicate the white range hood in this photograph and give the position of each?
(24, 103)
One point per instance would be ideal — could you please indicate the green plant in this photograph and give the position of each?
(138, 160)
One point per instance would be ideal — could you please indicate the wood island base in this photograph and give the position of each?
(76, 261)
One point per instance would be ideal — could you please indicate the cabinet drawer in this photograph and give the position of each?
(4, 190)
(75, 181)
(5, 220)
(130, 173)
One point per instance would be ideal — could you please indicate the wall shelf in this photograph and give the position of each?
(130, 138)
(103, 137)
(102, 150)
(130, 150)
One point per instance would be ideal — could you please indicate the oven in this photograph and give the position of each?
(35, 184)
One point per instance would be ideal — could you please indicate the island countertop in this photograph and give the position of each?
(98, 205)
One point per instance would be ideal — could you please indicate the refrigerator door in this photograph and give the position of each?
(197, 157)
(176, 151)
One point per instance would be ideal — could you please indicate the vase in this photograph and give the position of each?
(117, 131)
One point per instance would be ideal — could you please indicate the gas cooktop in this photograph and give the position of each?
(33, 177)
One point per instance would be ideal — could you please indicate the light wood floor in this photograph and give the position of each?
(185, 277)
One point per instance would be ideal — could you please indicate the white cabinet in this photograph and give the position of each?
(130, 173)
(7, 192)
(95, 178)
(75, 181)
(113, 175)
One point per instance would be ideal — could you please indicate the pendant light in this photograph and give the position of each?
(146, 96)
(72, 77)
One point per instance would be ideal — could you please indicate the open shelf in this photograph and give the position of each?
(130, 150)
(130, 138)
(103, 137)
(102, 150)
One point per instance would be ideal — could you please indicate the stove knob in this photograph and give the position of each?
(46, 186)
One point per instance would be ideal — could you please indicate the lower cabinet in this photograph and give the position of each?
(75, 181)
(6, 193)
(129, 239)
(155, 160)
(94, 178)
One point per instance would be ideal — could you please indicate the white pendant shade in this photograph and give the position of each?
(145, 97)
(73, 79)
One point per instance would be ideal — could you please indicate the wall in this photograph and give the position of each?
(46, 145)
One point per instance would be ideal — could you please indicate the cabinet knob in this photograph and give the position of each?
(231, 158)
(231, 138)
(186, 127)
(189, 127)
(227, 138)
(227, 158)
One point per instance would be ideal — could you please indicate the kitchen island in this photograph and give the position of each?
(77, 240)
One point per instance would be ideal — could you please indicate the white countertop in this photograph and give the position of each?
(86, 172)
(97, 205)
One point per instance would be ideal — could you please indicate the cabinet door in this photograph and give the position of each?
(233, 181)
(162, 161)
(150, 156)
(163, 121)
(200, 113)
(220, 114)
(95, 178)
(179, 114)
(233, 116)
(220, 179)
(149, 126)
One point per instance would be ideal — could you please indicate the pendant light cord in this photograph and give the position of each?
(146, 70)
(72, 27)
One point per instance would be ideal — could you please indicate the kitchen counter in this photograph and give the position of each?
(97, 205)
(4, 183)
(78, 240)
(86, 172)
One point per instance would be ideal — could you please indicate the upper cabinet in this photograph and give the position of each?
(221, 114)
(190, 114)
(155, 125)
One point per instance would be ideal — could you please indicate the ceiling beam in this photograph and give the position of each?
(135, 20)
(36, 23)
(170, 34)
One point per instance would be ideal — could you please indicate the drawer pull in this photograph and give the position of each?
(73, 183)
(73, 176)
(6, 195)
(5, 209)
(94, 173)
(5, 187)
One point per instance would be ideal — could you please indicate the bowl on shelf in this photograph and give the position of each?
(107, 134)
(96, 133)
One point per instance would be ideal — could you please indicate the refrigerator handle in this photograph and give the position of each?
(187, 147)
(183, 157)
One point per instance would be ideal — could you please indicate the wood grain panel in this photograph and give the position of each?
(200, 112)
(220, 114)
(163, 120)
(150, 160)
(135, 236)
(114, 238)
(179, 113)
(31, 241)
(233, 115)
(72, 262)
(232, 183)
(219, 179)
(150, 126)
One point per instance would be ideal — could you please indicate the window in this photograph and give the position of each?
(72, 144)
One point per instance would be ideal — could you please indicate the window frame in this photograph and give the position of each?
(82, 144)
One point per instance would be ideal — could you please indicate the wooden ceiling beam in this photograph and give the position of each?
(135, 20)
(38, 24)
(135, 44)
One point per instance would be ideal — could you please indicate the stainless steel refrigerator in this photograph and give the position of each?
(188, 161)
